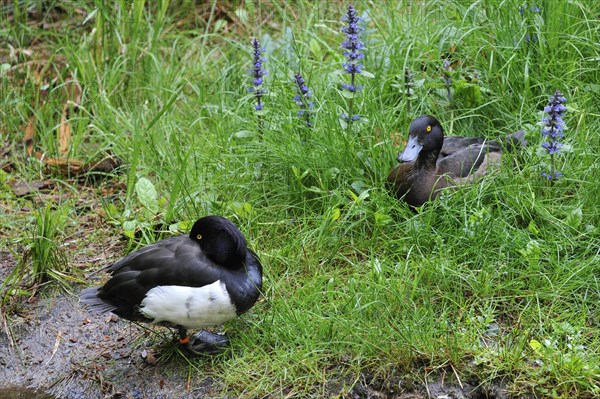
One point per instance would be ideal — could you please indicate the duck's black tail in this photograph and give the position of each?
(89, 297)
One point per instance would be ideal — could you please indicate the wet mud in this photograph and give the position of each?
(55, 347)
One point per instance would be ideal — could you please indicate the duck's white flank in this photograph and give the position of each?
(190, 307)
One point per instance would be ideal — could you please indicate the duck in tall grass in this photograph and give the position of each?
(185, 282)
(431, 162)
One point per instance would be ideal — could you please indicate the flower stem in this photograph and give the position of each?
(350, 108)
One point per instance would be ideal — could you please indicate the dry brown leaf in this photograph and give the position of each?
(37, 77)
(64, 131)
(29, 135)
(74, 163)
(21, 188)
(149, 357)
(73, 167)
(66, 166)
(106, 165)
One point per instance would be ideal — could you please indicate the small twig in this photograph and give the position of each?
(56, 345)
(456, 375)
(7, 332)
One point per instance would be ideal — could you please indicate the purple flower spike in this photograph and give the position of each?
(553, 126)
(352, 45)
(302, 99)
(257, 73)
(345, 118)
(352, 50)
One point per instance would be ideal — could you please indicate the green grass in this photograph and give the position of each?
(499, 280)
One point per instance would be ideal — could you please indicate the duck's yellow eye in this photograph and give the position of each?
(428, 128)
(199, 236)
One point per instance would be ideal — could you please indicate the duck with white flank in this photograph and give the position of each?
(186, 282)
(431, 162)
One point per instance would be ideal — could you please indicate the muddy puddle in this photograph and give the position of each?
(22, 393)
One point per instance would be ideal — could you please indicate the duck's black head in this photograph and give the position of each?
(221, 241)
(426, 137)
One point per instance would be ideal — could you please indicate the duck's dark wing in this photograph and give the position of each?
(174, 261)
(138, 259)
(455, 144)
(464, 162)
(460, 155)
(466, 155)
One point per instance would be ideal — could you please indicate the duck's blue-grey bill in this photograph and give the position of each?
(411, 152)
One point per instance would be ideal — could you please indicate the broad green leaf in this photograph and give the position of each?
(359, 186)
(335, 213)
(349, 94)
(566, 148)
(381, 219)
(147, 194)
(296, 172)
(218, 25)
(575, 218)
(129, 228)
(4, 67)
(367, 74)
(535, 344)
(334, 172)
(364, 195)
(242, 209)
(246, 209)
(532, 228)
(242, 14)
(186, 225)
(314, 47)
